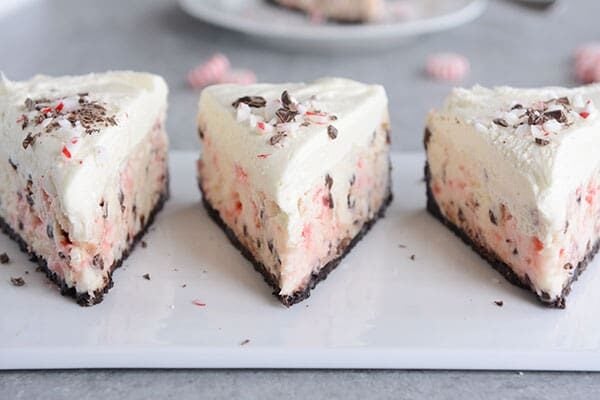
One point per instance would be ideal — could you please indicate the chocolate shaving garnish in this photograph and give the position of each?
(25, 121)
(146, 277)
(328, 181)
(285, 99)
(12, 164)
(501, 122)
(542, 142)
(17, 281)
(30, 140)
(558, 115)
(516, 107)
(285, 115)
(278, 137)
(250, 101)
(50, 231)
(332, 131)
(499, 303)
(245, 342)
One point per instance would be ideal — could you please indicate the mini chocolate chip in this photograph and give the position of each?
(493, 218)
(332, 132)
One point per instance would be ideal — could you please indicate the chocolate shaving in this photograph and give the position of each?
(542, 142)
(250, 101)
(30, 140)
(146, 277)
(278, 137)
(328, 181)
(4, 259)
(285, 115)
(499, 303)
(558, 115)
(12, 164)
(332, 132)
(501, 122)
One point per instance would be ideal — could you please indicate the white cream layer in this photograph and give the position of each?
(136, 100)
(290, 170)
(524, 174)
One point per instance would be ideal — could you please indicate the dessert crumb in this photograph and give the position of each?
(4, 258)
(17, 281)
(143, 244)
(146, 277)
(413, 257)
(184, 285)
(245, 342)
(401, 246)
(499, 303)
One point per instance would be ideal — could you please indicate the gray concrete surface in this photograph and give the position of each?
(508, 45)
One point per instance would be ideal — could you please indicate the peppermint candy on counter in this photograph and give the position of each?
(587, 63)
(447, 67)
(218, 70)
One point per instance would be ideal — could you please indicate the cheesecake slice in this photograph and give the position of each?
(339, 10)
(295, 174)
(516, 174)
(83, 171)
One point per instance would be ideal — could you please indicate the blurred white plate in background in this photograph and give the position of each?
(261, 19)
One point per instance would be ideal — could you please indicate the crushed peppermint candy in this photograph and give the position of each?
(78, 112)
(543, 120)
(282, 117)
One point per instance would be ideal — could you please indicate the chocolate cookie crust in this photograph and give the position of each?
(504, 269)
(302, 294)
(84, 299)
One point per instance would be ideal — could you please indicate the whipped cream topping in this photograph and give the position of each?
(537, 145)
(286, 136)
(72, 132)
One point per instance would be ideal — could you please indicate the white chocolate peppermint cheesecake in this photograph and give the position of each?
(516, 173)
(83, 171)
(340, 10)
(295, 174)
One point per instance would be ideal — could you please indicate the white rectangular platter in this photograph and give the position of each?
(378, 309)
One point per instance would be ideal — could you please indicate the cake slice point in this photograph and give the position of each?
(295, 173)
(516, 173)
(83, 169)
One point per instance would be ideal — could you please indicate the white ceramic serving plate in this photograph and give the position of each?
(260, 19)
(379, 309)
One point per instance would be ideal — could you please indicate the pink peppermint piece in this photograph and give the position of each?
(212, 71)
(587, 63)
(239, 76)
(447, 67)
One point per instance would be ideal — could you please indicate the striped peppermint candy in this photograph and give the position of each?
(447, 66)
(212, 71)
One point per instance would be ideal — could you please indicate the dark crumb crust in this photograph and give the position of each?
(500, 266)
(84, 299)
(271, 279)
